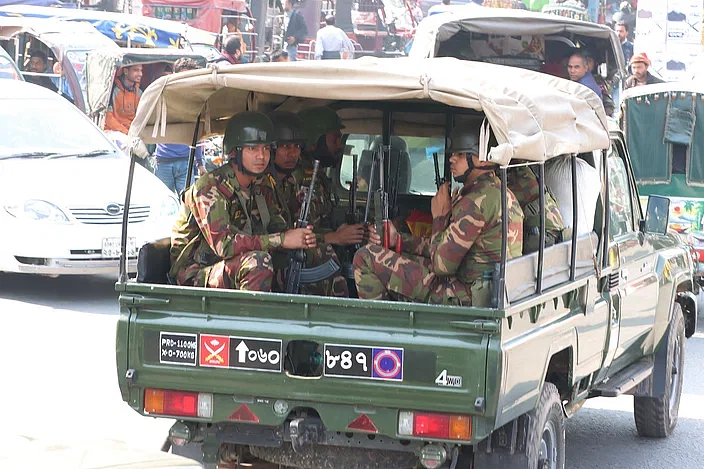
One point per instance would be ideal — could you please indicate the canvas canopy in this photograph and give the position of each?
(102, 64)
(434, 30)
(57, 35)
(534, 116)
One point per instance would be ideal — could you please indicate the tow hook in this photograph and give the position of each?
(303, 431)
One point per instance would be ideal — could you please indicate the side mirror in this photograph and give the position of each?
(657, 216)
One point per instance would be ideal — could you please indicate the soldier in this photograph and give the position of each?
(324, 143)
(457, 261)
(230, 223)
(289, 179)
(523, 182)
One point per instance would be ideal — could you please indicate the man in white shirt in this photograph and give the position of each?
(331, 40)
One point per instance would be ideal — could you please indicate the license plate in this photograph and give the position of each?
(349, 361)
(112, 247)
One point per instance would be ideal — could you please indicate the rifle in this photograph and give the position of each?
(381, 206)
(296, 273)
(393, 189)
(438, 181)
(352, 216)
(369, 190)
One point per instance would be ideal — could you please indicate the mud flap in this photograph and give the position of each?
(505, 448)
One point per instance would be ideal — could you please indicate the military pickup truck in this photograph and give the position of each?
(314, 382)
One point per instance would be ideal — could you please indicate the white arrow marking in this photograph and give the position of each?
(242, 350)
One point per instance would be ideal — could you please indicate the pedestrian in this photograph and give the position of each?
(230, 224)
(577, 69)
(290, 178)
(331, 41)
(626, 15)
(626, 45)
(295, 29)
(454, 265)
(639, 72)
(233, 52)
(172, 158)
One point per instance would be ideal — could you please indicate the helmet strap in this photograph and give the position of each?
(462, 178)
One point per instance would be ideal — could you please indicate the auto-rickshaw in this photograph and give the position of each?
(664, 127)
(65, 44)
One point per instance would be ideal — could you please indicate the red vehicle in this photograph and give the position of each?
(202, 14)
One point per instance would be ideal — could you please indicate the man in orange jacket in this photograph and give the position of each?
(124, 99)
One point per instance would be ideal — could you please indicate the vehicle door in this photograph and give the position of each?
(636, 285)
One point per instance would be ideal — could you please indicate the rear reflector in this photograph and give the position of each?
(178, 403)
(363, 423)
(434, 425)
(243, 414)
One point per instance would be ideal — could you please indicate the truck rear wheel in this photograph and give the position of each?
(656, 417)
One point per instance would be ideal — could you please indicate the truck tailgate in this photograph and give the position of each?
(380, 354)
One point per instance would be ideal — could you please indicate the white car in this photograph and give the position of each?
(62, 190)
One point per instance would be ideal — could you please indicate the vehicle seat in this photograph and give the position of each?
(154, 262)
(399, 156)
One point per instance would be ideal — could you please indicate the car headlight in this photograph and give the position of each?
(39, 210)
(169, 208)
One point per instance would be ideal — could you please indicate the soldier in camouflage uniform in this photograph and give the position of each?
(324, 143)
(290, 178)
(230, 223)
(454, 265)
(523, 182)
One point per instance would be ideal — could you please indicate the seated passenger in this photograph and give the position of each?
(289, 179)
(523, 182)
(230, 223)
(558, 178)
(451, 266)
(38, 62)
(124, 99)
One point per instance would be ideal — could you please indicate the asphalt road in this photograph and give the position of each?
(59, 383)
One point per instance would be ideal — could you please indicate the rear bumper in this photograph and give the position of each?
(45, 266)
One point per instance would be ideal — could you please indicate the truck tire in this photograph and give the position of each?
(546, 435)
(656, 417)
(540, 438)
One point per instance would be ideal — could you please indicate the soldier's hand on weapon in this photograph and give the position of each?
(299, 238)
(346, 235)
(441, 203)
(375, 238)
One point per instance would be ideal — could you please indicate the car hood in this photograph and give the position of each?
(71, 182)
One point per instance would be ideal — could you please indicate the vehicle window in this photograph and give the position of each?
(47, 126)
(7, 70)
(416, 172)
(620, 210)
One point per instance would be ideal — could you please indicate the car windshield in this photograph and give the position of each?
(47, 127)
(7, 70)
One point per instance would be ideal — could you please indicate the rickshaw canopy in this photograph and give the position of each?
(436, 29)
(120, 27)
(102, 66)
(534, 116)
(658, 117)
(57, 35)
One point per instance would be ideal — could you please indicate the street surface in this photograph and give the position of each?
(59, 383)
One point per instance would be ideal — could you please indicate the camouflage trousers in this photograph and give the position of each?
(381, 274)
(249, 271)
(335, 286)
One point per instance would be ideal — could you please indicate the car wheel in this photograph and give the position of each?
(656, 417)
(546, 436)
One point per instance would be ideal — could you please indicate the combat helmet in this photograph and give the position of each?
(248, 129)
(288, 128)
(318, 121)
(463, 139)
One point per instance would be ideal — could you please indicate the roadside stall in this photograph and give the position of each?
(664, 128)
(65, 44)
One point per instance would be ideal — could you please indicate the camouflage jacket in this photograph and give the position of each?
(290, 192)
(523, 182)
(219, 220)
(467, 241)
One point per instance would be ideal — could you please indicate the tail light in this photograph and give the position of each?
(435, 425)
(178, 403)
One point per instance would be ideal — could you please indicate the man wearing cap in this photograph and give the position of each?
(639, 72)
(230, 223)
(454, 265)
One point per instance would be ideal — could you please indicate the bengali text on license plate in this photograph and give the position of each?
(351, 361)
(113, 246)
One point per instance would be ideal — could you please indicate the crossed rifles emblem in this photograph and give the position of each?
(214, 353)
